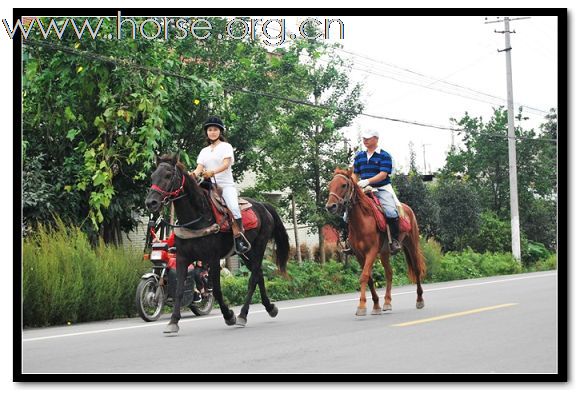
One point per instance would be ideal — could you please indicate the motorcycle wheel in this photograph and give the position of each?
(148, 306)
(204, 307)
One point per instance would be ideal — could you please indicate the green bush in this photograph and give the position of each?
(459, 265)
(433, 256)
(494, 234)
(468, 264)
(546, 264)
(499, 264)
(534, 252)
(64, 279)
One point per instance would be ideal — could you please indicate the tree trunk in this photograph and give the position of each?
(321, 246)
(298, 252)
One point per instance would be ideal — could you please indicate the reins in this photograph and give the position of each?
(347, 200)
(172, 196)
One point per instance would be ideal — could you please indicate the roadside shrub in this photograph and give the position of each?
(468, 264)
(494, 234)
(433, 256)
(64, 279)
(499, 264)
(546, 264)
(534, 252)
(459, 265)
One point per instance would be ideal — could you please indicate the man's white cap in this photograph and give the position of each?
(370, 133)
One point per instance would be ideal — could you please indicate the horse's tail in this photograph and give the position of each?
(281, 239)
(415, 259)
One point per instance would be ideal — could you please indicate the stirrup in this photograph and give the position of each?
(395, 249)
(243, 240)
(346, 249)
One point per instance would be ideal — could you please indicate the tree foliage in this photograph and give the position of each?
(459, 210)
(96, 113)
(483, 161)
(306, 144)
(413, 191)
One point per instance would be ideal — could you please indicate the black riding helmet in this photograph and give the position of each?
(214, 121)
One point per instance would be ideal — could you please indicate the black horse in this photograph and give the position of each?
(171, 183)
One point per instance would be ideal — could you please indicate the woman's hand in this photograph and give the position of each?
(208, 173)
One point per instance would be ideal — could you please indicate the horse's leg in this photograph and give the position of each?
(376, 307)
(181, 270)
(243, 315)
(214, 273)
(367, 265)
(270, 307)
(389, 278)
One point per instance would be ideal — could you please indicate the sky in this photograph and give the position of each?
(431, 69)
(460, 50)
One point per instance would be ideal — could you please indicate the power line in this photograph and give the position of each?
(437, 80)
(131, 64)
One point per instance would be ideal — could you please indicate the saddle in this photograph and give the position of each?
(222, 213)
(404, 223)
(378, 212)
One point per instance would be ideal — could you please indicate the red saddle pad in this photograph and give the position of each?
(404, 223)
(249, 219)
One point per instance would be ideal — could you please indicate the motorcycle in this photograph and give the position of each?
(157, 288)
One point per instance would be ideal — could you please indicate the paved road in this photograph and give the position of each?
(502, 324)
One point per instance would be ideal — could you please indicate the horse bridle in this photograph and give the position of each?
(171, 196)
(345, 201)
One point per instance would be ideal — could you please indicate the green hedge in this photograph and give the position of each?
(64, 279)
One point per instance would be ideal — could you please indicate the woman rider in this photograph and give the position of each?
(215, 160)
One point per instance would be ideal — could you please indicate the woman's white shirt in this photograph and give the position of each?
(212, 158)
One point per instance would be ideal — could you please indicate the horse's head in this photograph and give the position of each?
(166, 183)
(341, 190)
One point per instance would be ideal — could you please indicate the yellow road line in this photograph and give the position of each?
(456, 314)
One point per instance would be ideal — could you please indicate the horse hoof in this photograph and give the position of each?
(171, 328)
(376, 311)
(241, 321)
(361, 311)
(274, 311)
(420, 304)
(232, 320)
(387, 307)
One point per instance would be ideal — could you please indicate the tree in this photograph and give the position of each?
(483, 160)
(307, 145)
(458, 213)
(412, 190)
(96, 112)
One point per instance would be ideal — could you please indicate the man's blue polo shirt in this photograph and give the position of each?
(368, 168)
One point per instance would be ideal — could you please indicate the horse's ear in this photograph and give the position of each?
(349, 172)
(156, 159)
(174, 158)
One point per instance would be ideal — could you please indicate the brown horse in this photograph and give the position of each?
(367, 241)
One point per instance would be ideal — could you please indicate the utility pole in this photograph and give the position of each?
(424, 161)
(298, 252)
(513, 172)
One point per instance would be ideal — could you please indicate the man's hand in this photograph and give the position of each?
(363, 183)
(208, 173)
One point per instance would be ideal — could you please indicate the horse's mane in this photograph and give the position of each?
(364, 202)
